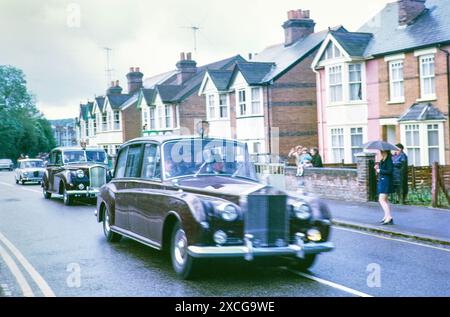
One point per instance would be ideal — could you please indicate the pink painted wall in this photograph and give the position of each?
(373, 99)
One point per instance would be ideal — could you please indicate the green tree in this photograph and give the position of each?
(23, 129)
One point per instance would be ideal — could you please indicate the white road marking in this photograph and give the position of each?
(38, 279)
(393, 239)
(21, 280)
(16, 186)
(331, 284)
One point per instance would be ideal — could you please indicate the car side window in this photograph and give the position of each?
(133, 167)
(58, 158)
(151, 166)
(119, 171)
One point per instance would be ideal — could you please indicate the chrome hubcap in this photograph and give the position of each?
(180, 251)
(107, 226)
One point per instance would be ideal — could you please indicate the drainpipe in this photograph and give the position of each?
(447, 53)
(319, 95)
(269, 124)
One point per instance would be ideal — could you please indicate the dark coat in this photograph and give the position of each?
(385, 182)
(317, 160)
(400, 172)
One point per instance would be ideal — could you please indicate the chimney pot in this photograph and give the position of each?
(112, 84)
(189, 56)
(131, 69)
(182, 56)
(117, 83)
(137, 69)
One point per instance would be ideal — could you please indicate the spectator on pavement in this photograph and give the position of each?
(384, 170)
(316, 158)
(400, 175)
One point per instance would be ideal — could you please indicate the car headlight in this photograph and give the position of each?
(25, 173)
(80, 173)
(302, 211)
(314, 235)
(228, 212)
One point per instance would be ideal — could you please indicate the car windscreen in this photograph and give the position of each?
(32, 164)
(97, 157)
(194, 157)
(74, 157)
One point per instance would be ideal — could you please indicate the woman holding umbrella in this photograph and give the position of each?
(385, 171)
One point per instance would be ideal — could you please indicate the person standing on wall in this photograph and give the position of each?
(385, 171)
(400, 176)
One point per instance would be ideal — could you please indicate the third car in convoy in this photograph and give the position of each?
(199, 198)
(75, 172)
(29, 170)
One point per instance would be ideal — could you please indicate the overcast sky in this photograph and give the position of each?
(62, 53)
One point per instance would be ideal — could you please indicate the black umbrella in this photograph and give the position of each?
(380, 145)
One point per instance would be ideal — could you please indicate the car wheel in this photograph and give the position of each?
(22, 181)
(68, 200)
(184, 265)
(109, 234)
(45, 193)
(17, 181)
(305, 263)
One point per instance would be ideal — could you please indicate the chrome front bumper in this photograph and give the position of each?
(91, 192)
(32, 179)
(248, 251)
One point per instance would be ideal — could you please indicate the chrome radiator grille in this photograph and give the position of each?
(97, 176)
(267, 218)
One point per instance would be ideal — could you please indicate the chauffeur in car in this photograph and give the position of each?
(75, 172)
(199, 198)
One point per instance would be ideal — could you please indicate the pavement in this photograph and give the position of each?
(414, 222)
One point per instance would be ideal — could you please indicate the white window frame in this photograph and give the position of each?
(400, 66)
(226, 106)
(168, 117)
(211, 106)
(330, 71)
(360, 82)
(116, 120)
(427, 95)
(152, 118)
(352, 147)
(423, 137)
(254, 100)
(241, 104)
(341, 147)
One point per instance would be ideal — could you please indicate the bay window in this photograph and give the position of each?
(152, 116)
(356, 136)
(145, 118)
(242, 102)
(105, 121)
(337, 144)
(433, 143)
(168, 116)
(355, 82)
(335, 84)
(211, 106)
(223, 106)
(412, 137)
(116, 120)
(256, 101)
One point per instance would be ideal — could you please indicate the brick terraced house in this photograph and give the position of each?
(270, 101)
(390, 80)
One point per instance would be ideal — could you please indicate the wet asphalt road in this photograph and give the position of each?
(66, 246)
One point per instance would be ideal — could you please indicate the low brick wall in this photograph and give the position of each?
(333, 183)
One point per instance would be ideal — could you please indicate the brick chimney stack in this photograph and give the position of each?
(409, 10)
(187, 68)
(115, 88)
(134, 80)
(298, 25)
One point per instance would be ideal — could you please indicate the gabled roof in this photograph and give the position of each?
(149, 95)
(254, 72)
(220, 78)
(430, 28)
(422, 112)
(168, 92)
(116, 101)
(171, 92)
(100, 101)
(354, 43)
(285, 57)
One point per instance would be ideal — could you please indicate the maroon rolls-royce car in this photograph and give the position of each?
(75, 172)
(199, 198)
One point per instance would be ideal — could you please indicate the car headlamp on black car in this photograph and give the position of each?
(301, 210)
(228, 212)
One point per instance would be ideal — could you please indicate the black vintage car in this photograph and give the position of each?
(199, 198)
(75, 172)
